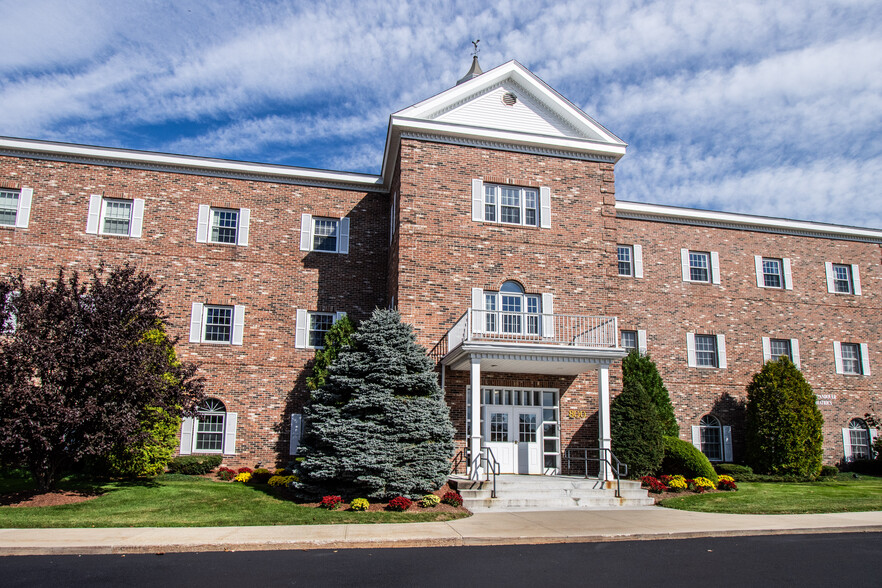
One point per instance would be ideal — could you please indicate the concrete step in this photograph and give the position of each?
(548, 493)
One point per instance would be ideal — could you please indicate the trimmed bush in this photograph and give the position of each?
(870, 467)
(194, 465)
(261, 476)
(281, 481)
(683, 458)
(829, 471)
(636, 430)
(784, 425)
(733, 469)
(641, 368)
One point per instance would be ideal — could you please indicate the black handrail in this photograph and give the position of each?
(604, 455)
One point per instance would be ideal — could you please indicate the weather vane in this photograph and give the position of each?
(475, 43)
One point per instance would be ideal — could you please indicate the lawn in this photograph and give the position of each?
(843, 493)
(187, 501)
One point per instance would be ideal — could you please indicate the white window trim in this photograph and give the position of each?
(188, 436)
(794, 350)
(786, 274)
(301, 326)
(855, 279)
(713, 267)
(864, 359)
(543, 211)
(98, 208)
(198, 313)
(203, 225)
(23, 207)
(636, 260)
(307, 226)
(692, 356)
(725, 431)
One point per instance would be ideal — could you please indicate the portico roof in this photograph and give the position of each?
(530, 358)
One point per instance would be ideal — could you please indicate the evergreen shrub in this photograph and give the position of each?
(828, 471)
(783, 423)
(685, 459)
(379, 426)
(733, 469)
(261, 476)
(194, 465)
(636, 430)
(637, 367)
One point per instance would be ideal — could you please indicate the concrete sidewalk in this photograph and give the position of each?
(481, 529)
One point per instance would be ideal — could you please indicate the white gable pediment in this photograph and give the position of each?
(509, 106)
(478, 112)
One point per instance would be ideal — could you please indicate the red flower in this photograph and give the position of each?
(452, 498)
(331, 502)
(400, 503)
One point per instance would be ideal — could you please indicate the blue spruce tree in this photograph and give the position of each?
(378, 427)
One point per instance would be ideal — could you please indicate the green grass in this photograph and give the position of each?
(186, 501)
(840, 494)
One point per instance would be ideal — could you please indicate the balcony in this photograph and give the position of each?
(521, 342)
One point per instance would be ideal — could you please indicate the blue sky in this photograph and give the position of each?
(771, 108)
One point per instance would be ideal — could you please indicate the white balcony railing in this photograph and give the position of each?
(522, 327)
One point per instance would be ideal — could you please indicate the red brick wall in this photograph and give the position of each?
(270, 276)
(667, 308)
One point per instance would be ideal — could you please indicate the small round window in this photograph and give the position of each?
(509, 99)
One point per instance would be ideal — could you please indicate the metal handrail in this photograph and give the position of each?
(604, 455)
(487, 460)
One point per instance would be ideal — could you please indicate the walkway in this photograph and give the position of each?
(481, 529)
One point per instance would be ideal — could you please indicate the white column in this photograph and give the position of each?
(604, 434)
(476, 417)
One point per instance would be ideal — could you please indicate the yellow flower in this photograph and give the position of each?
(243, 477)
(359, 504)
(725, 477)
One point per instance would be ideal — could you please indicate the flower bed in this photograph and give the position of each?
(664, 486)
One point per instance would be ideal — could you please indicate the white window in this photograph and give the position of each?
(511, 205)
(700, 266)
(714, 440)
(226, 226)
(212, 430)
(211, 323)
(631, 260)
(310, 328)
(843, 278)
(706, 350)
(773, 272)
(634, 340)
(775, 348)
(511, 311)
(330, 235)
(851, 358)
(115, 216)
(15, 207)
(629, 340)
(857, 440)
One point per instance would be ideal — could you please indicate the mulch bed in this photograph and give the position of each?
(659, 497)
(55, 498)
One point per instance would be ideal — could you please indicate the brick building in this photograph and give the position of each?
(494, 229)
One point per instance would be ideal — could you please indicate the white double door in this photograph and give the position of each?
(513, 434)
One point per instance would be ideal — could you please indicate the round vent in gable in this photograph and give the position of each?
(509, 99)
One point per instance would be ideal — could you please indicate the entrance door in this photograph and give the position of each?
(529, 451)
(513, 434)
(499, 437)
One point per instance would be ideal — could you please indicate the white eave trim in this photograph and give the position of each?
(731, 220)
(189, 164)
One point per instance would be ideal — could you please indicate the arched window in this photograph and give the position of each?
(210, 426)
(711, 434)
(511, 310)
(858, 440)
